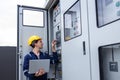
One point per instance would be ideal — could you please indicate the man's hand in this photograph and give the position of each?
(40, 72)
(53, 46)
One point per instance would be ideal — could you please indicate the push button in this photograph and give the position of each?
(118, 4)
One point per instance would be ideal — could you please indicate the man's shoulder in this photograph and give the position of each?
(28, 55)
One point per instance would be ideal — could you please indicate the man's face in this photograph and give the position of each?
(39, 44)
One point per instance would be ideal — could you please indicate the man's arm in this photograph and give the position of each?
(55, 55)
(26, 66)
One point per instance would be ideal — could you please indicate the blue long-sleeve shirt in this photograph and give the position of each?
(32, 56)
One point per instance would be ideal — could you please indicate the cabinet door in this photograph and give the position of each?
(31, 21)
(75, 40)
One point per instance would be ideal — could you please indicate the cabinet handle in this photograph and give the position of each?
(84, 48)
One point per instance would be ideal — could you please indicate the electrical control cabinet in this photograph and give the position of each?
(75, 40)
(55, 34)
(87, 36)
(57, 37)
(103, 30)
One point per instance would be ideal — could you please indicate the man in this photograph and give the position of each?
(36, 43)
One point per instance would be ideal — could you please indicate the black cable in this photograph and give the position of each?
(112, 54)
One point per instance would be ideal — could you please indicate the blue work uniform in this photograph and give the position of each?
(32, 56)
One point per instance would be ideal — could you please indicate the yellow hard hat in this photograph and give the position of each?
(32, 38)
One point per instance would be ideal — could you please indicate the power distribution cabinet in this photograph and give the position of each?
(55, 34)
(103, 30)
(27, 27)
(29, 19)
(57, 37)
(75, 46)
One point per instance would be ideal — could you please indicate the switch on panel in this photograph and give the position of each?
(113, 66)
(58, 38)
